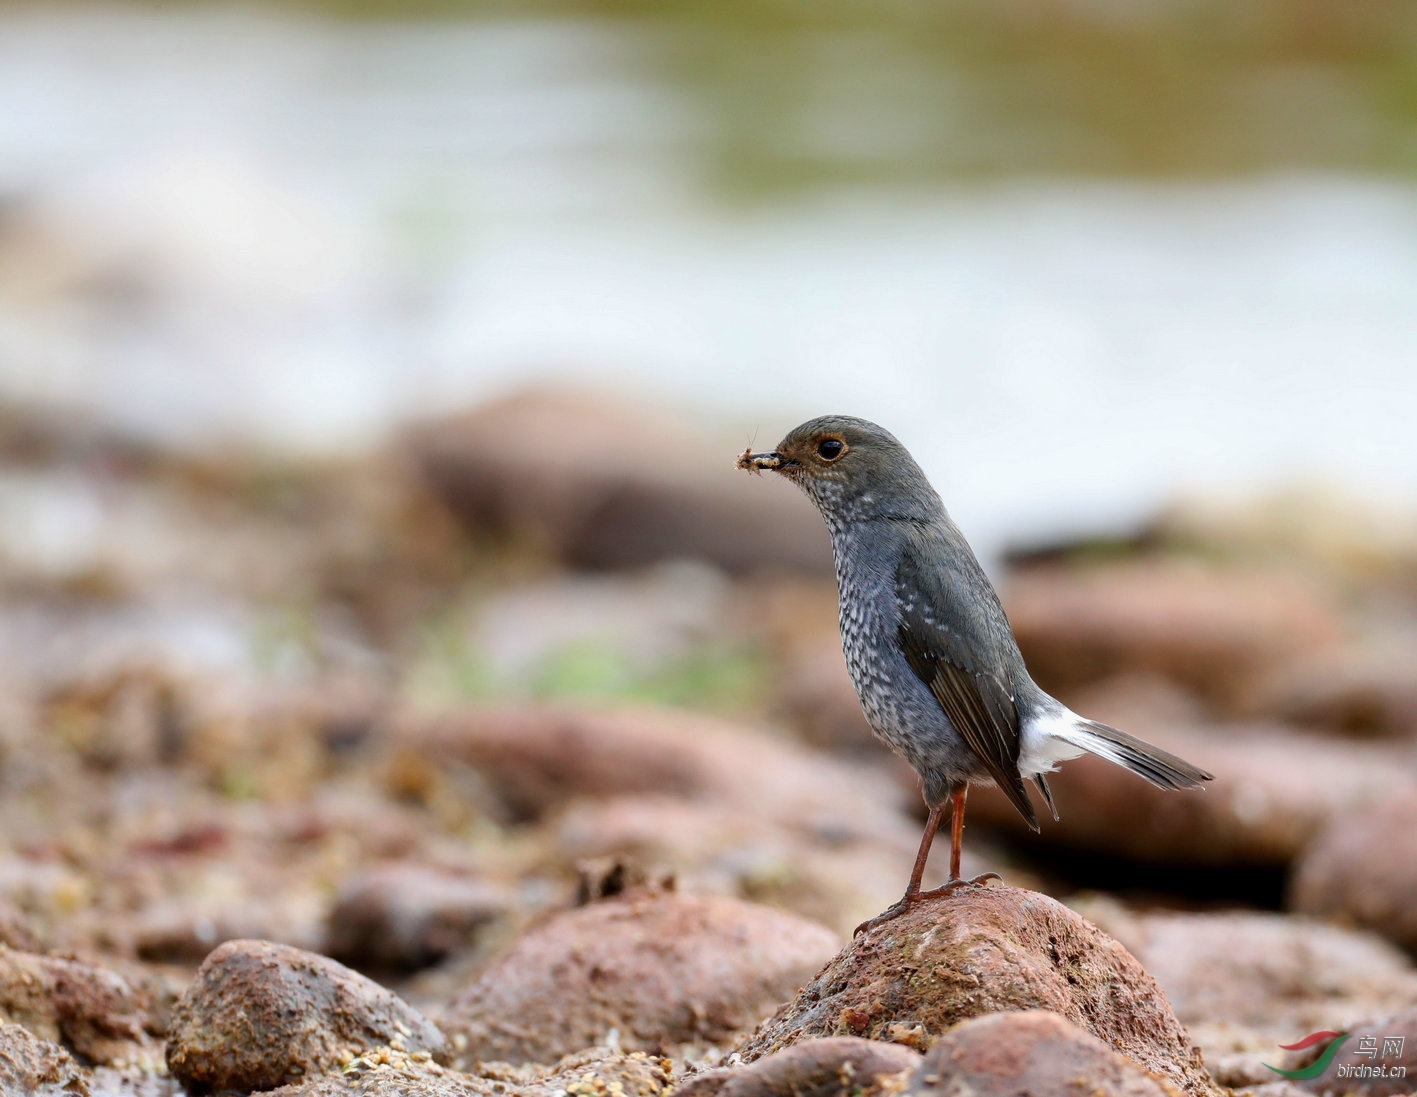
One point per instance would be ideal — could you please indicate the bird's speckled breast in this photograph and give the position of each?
(899, 707)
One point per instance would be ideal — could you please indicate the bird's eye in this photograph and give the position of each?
(829, 449)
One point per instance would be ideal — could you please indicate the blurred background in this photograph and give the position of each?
(371, 376)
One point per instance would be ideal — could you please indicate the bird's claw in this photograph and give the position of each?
(900, 906)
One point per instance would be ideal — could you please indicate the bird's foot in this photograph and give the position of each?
(900, 906)
(957, 882)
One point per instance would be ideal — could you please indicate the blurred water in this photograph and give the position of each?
(234, 225)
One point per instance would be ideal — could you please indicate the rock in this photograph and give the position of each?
(988, 950)
(1211, 629)
(131, 1082)
(1365, 691)
(834, 1066)
(1362, 870)
(837, 880)
(185, 928)
(91, 1010)
(1385, 1045)
(538, 758)
(1245, 982)
(1274, 972)
(658, 968)
(37, 1067)
(406, 916)
(1032, 1052)
(1274, 790)
(259, 1015)
(606, 484)
(17, 930)
(595, 1073)
(816, 695)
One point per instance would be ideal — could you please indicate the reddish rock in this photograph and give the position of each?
(604, 483)
(988, 950)
(595, 1073)
(37, 1068)
(537, 758)
(1212, 629)
(91, 1010)
(1033, 1053)
(838, 877)
(1270, 971)
(260, 1015)
(658, 968)
(1364, 691)
(1274, 791)
(834, 1066)
(1362, 869)
(816, 695)
(407, 916)
(185, 928)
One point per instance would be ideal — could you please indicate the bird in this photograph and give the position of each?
(929, 648)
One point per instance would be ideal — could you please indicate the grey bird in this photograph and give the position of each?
(929, 648)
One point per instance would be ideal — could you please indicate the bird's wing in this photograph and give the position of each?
(950, 633)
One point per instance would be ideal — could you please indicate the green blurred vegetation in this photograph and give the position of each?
(798, 92)
(728, 679)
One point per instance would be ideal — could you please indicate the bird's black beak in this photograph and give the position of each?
(759, 462)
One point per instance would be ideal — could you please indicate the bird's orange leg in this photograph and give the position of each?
(913, 894)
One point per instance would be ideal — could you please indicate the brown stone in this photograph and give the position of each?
(596, 1072)
(1366, 690)
(1212, 629)
(91, 1010)
(1362, 870)
(605, 483)
(1032, 1053)
(407, 916)
(834, 1066)
(1274, 790)
(39, 1068)
(537, 758)
(659, 969)
(260, 1015)
(1274, 972)
(987, 950)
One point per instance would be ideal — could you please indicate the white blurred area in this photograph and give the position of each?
(232, 226)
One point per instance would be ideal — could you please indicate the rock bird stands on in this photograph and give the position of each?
(930, 651)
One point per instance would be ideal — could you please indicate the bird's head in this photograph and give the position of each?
(851, 468)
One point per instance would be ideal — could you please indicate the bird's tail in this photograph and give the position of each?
(1160, 768)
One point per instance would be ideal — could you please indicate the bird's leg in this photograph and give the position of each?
(912, 889)
(913, 894)
(956, 847)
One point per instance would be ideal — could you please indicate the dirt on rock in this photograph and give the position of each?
(986, 950)
(91, 1010)
(1033, 1052)
(596, 1072)
(659, 969)
(833, 1066)
(260, 1015)
(38, 1068)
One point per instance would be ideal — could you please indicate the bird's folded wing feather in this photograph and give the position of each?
(949, 632)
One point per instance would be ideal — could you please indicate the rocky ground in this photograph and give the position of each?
(503, 762)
